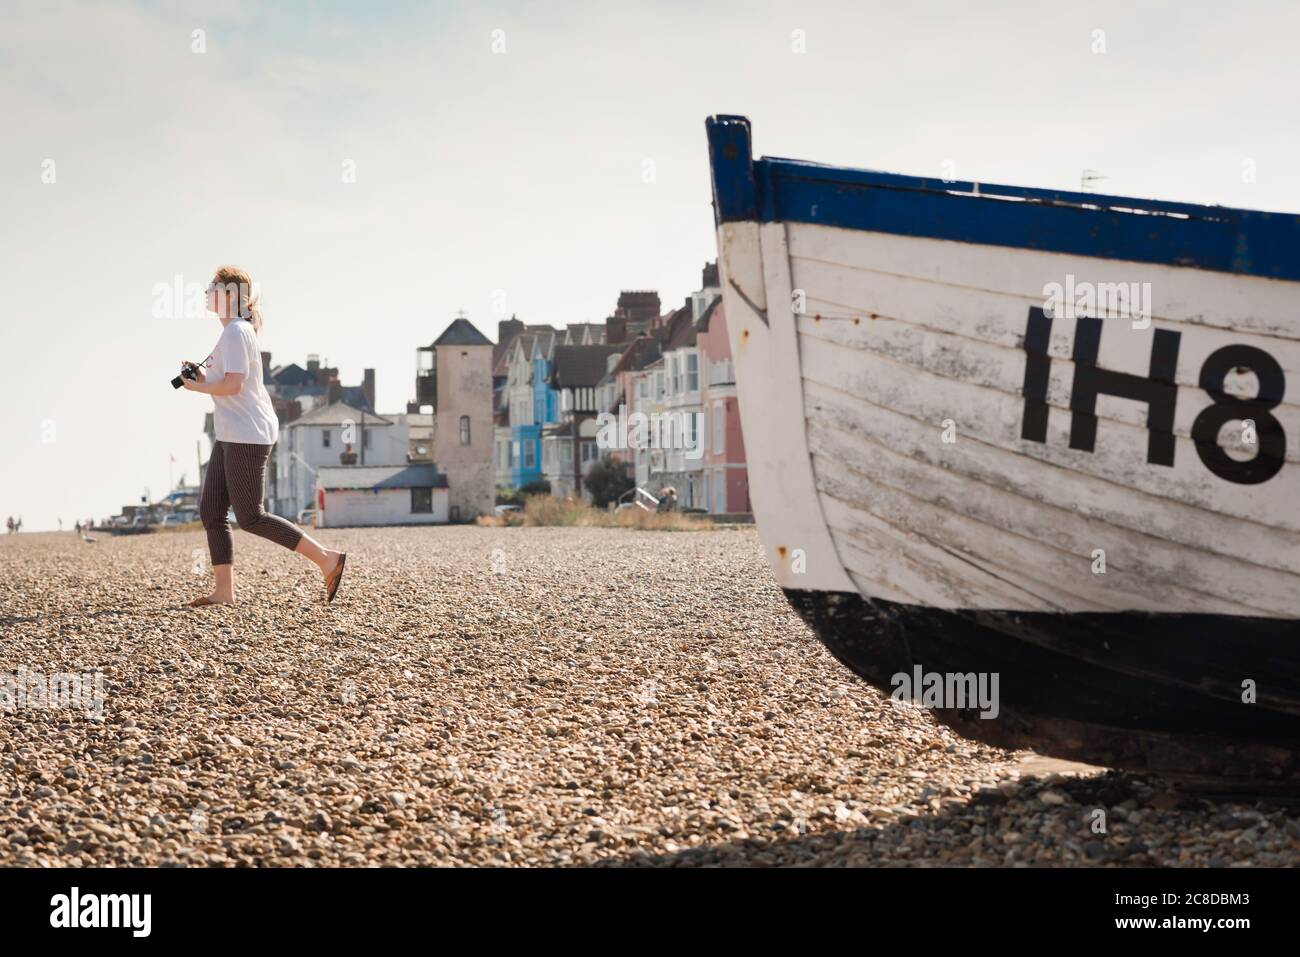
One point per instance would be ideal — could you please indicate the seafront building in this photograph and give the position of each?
(490, 418)
(674, 368)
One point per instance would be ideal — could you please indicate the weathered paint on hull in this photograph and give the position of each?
(936, 463)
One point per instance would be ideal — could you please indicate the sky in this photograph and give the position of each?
(516, 158)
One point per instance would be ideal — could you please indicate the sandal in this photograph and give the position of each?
(332, 585)
(203, 602)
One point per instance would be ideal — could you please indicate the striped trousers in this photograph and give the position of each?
(235, 478)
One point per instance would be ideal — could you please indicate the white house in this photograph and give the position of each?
(320, 437)
(380, 495)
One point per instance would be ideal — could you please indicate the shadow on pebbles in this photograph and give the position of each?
(481, 696)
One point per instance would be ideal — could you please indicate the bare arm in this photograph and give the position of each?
(229, 385)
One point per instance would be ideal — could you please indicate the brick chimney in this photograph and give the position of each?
(615, 330)
(639, 309)
(335, 391)
(710, 278)
(368, 389)
(266, 368)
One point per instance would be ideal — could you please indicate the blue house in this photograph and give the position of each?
(530, 401)
(533, 404)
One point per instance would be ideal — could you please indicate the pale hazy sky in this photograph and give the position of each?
(519, 171)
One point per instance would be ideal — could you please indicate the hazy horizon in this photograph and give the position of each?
(516, 159)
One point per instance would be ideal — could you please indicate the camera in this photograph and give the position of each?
(188, 371)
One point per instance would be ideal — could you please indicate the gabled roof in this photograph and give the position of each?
(579, 367)
(523, 343)
(338, 413)
(585, 333)
(462, 333)
(544, 343)
(292, 374)
(501, 351)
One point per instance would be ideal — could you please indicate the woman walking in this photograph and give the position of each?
(246, 429)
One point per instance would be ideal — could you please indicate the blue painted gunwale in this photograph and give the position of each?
(1217, 238)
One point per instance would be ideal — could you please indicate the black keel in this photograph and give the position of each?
(1154, 692)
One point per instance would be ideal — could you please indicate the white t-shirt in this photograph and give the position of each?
(247, 416)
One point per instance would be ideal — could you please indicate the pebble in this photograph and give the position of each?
(620, 698)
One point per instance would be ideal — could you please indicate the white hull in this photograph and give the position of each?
(905, 342)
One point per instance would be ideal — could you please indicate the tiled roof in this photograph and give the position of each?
(340, 477)
(292, 374)
(643, 351)
(462, 333)
(338, 413)
(580, 366)
(681, 330)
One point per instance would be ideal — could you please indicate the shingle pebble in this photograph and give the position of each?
(614, 697)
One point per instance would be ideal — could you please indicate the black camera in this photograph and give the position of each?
(188, 371)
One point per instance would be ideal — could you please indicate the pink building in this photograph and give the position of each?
(726, 479)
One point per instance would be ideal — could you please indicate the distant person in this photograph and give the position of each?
(246, 429)
(60, 524)
(18, 526)
(668, 499)
(78, 526)
(9, 524)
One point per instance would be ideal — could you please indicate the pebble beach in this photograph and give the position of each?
(513, 697)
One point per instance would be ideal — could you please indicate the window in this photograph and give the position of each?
(366, 437)
(325, 438)
(692, 372)
(464, 430)
(421, 501)
(719, 436)
(530, 455)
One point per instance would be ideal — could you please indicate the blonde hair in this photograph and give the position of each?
(248, 298)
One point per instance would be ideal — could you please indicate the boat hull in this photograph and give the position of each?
(1101, 688)
(952, 472)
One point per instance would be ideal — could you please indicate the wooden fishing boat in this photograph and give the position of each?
(1043, 436)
